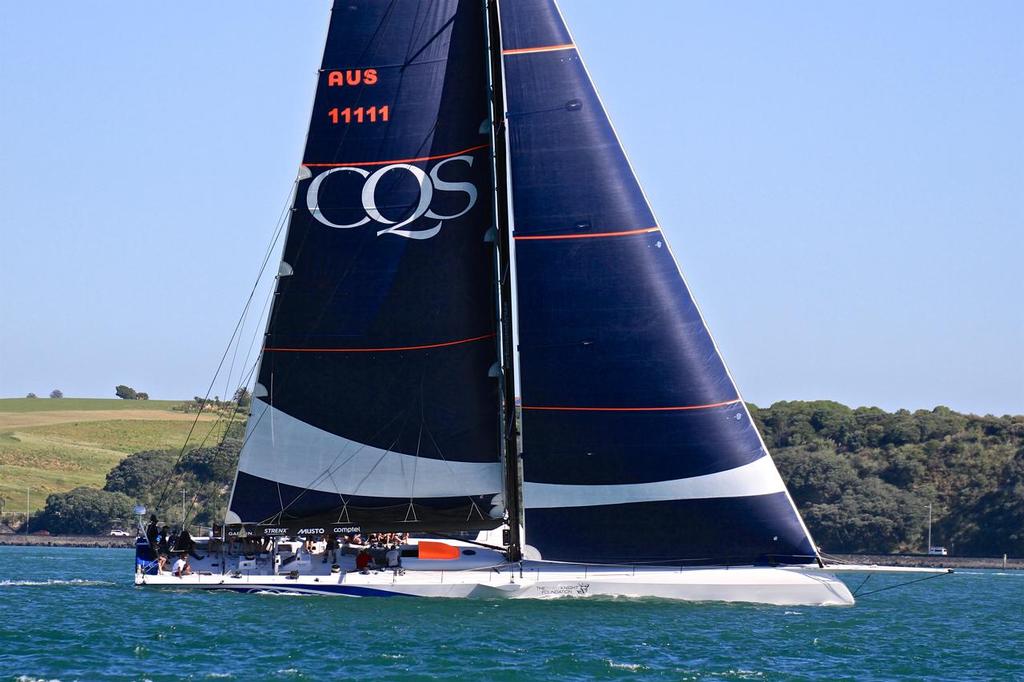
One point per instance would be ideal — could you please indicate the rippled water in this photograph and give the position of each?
(73, 614)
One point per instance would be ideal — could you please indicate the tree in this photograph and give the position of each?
(863, 478)
(212, 465)
(141, 396)
(85, 511)
(125, 392)
(31, 395)
(142, 475)
(242, 397)
(56, 393)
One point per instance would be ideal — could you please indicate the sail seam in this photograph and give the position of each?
(391, 161)
(382, 349)
(545, 48)
(678, 408)
(584, 235)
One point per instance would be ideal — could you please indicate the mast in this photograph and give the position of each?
(503, 283)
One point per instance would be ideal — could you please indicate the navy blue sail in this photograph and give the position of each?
(373, 406)
(636, 445)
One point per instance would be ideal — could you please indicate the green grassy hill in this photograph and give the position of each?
(66, 404)
(49, 446)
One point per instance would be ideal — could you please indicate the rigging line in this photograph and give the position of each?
(234, 413)
(446, 462)
(234, 354)
(380, 67)
(332, 469)
(893, 587)
(344, 502)
(416, 460)
(862, 584)
(380, 459)
(437, 34)
(227, 428)
(248, 302)
(220, 417)
(258, 333)
(328, 472)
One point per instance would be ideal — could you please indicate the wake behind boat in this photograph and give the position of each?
(466, 229)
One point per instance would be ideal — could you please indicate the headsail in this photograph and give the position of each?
(373, 406)
(636, 444)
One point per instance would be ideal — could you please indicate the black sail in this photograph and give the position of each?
(636, 445)
(373, 406)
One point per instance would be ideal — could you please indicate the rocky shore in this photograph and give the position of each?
(67, 540)
(927, 561)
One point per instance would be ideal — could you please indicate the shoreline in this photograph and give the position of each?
(915, 560)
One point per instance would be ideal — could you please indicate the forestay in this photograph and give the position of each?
(373, 406)
(636, 444)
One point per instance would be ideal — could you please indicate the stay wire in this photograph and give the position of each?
(235, 333)
(893, 587)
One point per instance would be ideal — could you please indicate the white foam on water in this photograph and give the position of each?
(43, 583)
(30, 678)
(625, 666)
(739, 672)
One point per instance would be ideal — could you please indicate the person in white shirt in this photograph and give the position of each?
(394, 557)
(181, 567)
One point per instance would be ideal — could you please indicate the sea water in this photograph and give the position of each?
(74, 614)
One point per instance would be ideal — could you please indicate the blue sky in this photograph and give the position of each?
(843, 185)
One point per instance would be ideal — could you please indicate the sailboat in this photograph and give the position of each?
(479, 336)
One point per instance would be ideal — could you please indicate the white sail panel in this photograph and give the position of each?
(760, 477)
(282, 448)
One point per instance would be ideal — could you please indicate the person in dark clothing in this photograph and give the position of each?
(331, 548)
(185, 543)
(152, 530)
(163, 540)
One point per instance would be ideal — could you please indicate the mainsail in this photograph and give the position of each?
(373, 406)
(636, 444)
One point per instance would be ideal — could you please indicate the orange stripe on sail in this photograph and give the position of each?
(546, 48)
(630, 409)
(584, 235)
(385, 163)
(383, 349)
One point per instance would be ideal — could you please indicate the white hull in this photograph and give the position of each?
(543, 580)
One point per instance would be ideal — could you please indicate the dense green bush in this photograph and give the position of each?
(84, 511)
(863, 478)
